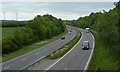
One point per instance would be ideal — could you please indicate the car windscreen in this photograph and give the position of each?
(85, 43)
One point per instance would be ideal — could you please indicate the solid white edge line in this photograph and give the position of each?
(65, 54)
(65, 68)
(90, 57)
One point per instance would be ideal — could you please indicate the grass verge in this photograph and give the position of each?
(34, 46)
(101, 57)
(65, 48)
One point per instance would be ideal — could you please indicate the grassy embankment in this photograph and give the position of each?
(101, 57)
(34, 46)
(65, 48)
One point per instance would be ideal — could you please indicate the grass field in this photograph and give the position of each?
(7, 31)
(102, 58)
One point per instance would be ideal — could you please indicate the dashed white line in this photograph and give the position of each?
(36, 53)
(6, 67)
(19, 56)
(24, 59)
(65, 54)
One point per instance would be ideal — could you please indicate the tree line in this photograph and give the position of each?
(107, 25)
(40, 28)
(13, 23)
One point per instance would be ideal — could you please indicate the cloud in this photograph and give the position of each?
(63, 10)
(59, 1)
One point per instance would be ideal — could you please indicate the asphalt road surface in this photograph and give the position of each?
(76, 58)
(27, 59)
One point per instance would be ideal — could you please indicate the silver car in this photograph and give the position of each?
(85, 45)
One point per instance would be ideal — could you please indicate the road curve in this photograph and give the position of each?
(27, 59)
(76, 58)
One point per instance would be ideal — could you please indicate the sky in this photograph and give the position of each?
(63, 10)
(59, 0)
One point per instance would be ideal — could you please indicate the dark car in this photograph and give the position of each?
(62, 37)
(85, 45)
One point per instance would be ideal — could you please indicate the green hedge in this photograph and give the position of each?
(13, 24)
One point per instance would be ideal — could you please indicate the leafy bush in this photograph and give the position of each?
(9, 45)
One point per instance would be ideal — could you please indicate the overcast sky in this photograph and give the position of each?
(59, 0)
(63, 10)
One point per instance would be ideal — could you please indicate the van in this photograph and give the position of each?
(85, 45)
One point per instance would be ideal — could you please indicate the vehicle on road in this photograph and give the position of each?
(69, 33)
(87, 30)
(62, 37)
(85, 45)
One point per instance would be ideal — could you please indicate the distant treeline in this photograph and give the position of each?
(13, 23)
(40, 28)
(107, 25)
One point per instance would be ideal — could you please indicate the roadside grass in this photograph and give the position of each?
(60, 52)
(101, 57)
(31, 47)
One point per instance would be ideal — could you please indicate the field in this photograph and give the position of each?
(7, 31)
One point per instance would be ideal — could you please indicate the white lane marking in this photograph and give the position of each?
(23, 55)
(20, 56)
(24, 59)
(36, 53)
(65, 54)
(65, 68)
(6, 67)
(90, 57)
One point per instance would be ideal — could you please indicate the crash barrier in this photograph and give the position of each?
(97, 69)
(32, 64)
